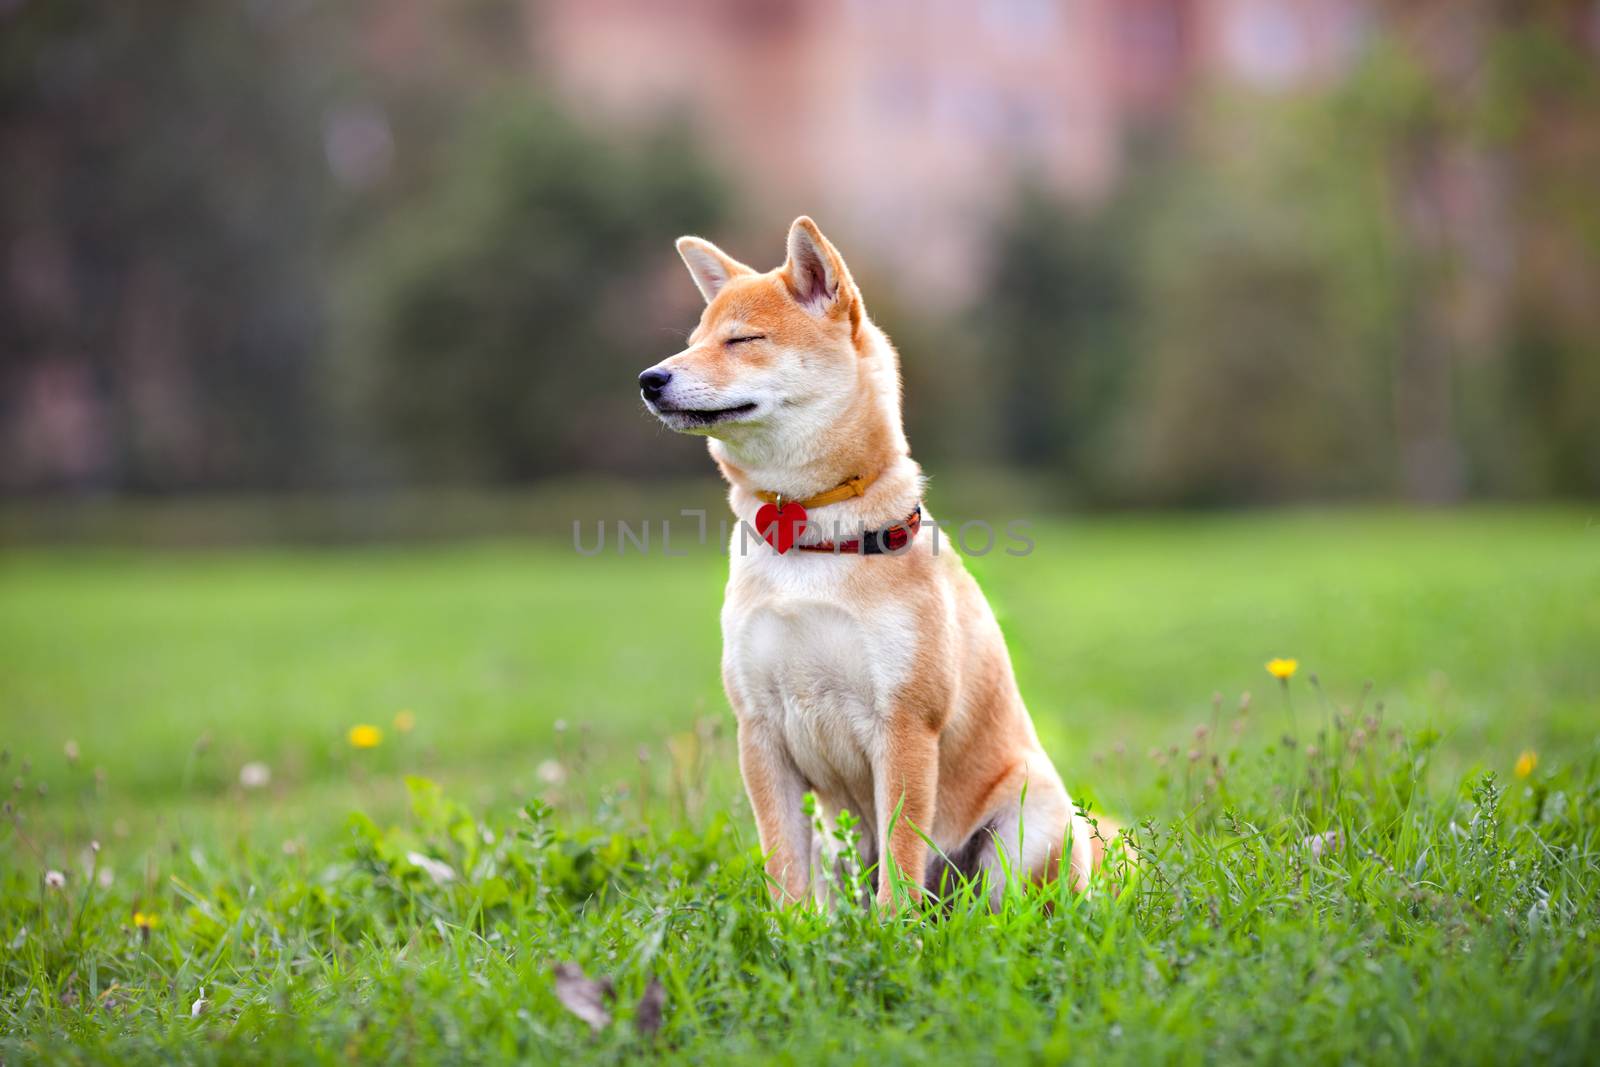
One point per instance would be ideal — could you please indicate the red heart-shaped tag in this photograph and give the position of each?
(779, 527)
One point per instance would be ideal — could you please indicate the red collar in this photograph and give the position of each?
(781, 522)
(890, 539)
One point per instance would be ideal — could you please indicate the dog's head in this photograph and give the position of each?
(775, 355)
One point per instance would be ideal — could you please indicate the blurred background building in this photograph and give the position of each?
(1143, 251)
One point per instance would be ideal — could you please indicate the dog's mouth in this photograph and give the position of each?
(697, 418)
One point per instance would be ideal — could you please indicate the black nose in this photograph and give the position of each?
(651, 382)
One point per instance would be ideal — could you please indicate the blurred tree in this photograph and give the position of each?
(1382, 286)
(164, 182)
(1535, 408)
(218, 215)
(1488, 117)
(1056, 322)
(950, 404)
(1262, 333)
(502, 321)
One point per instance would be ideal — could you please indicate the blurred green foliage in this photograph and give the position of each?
(1384, 288)
(160, 214)
(249, 252)
(1056, 331)
(507, 312)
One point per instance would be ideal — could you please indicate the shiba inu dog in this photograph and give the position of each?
(862, 661)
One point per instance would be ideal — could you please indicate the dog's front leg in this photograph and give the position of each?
(777, 797)
(905, 783)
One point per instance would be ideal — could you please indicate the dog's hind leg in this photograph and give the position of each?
(1032, 826)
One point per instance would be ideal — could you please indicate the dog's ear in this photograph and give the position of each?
(815, 273)
(709, 266)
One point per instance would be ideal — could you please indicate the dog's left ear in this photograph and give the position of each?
(817, 277)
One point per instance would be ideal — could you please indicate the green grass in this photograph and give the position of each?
(571, 710)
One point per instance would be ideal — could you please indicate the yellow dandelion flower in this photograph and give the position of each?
(1526, 762)
(1282, 669)
(364, 735)
(404, 721)
(145, 920)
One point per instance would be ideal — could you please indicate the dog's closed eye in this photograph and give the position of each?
(747, 337)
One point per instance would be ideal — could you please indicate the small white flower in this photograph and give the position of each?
(438, 870)
(552, 773)
(255, 774)
(1317, 844)
(199, 1007)
(54, 879)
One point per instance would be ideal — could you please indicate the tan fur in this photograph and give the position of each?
(877, 682)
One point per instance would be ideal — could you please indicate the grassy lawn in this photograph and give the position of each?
(588, 808)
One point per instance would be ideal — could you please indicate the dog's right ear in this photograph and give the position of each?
(709, 266)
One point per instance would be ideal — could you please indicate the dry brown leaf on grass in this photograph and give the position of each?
(583, 996)
(590, 999)
(647, 1016)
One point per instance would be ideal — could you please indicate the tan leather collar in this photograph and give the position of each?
(845, 490)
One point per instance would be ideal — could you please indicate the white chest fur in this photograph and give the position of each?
(819, 668)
